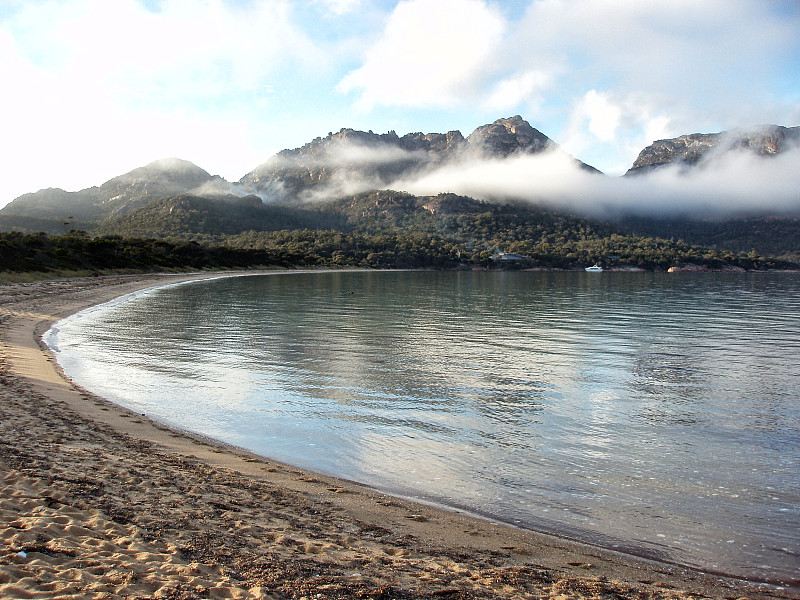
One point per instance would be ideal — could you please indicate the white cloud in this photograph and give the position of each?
(602, 114)
(340, 7)
(430, 54)
(738, 182)
(655, 45)
(346, 153)
(610, 73)
(187, 49)
(527, 87)
(94, 88)
(603, 123)
(530, 177)
(697, 65)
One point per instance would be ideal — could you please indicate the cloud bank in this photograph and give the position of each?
(736, 184)
(728, 181)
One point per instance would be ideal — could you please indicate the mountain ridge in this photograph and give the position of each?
(695, 149)
(377, 160)
(290, 175)
(381, 159)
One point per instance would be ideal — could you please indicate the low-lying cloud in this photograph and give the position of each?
(220, 187)
(733, 183)
(342, 153)
(343, 168)
(738, 183)
(728, 181)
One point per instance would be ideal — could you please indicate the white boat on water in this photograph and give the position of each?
(595, 268)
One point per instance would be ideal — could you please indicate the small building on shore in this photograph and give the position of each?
(508, 256)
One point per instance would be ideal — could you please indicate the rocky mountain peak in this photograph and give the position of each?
(691, 150)
(507, 136)
(685, 150)
(163, 171)
(442, 143)
(173, 165)
(767, 140)
(121, 194)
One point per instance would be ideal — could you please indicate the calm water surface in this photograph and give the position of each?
(654, 413)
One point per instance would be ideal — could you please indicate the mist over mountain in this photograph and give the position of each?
(742, 172)
(353, 161)
(702, 176)
(742, 181)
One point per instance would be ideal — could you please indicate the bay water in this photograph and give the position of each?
(653, 413)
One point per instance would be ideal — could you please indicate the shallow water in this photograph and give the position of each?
(654, 413)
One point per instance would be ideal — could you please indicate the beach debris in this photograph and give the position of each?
(22, 554)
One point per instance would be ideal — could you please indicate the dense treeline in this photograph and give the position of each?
(79, 252)
(313, 248)
(773, 236)
(424, 250)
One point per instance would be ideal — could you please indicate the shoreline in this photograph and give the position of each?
(103, 502)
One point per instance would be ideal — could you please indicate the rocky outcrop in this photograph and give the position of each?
(684, 150)
(438, 143)
(351, 155)
(508, 136)
(688, 151)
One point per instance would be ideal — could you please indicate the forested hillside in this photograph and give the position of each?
(777, 236)
(383, 229)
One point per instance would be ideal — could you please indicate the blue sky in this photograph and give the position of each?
(95, 88)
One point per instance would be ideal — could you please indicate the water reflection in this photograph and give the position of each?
(637, 410)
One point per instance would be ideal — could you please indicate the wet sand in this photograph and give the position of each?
(99, 502)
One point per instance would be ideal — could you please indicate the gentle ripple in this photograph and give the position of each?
(653, 413)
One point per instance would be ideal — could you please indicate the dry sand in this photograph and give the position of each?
(100, 502)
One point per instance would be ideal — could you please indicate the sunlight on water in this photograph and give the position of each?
(654, 413)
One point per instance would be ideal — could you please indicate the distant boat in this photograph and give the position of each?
(595, 268)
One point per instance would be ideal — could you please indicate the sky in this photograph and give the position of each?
(92, 89)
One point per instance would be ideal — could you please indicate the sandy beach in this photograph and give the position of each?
(99, 502)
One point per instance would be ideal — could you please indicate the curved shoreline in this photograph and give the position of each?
(239, 525)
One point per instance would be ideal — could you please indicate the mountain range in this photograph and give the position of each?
(322, 186)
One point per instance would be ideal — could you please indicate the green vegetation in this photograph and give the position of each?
(421, 250)
(777, 236)
(77, 252)
(377, 230)
(397, 230)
